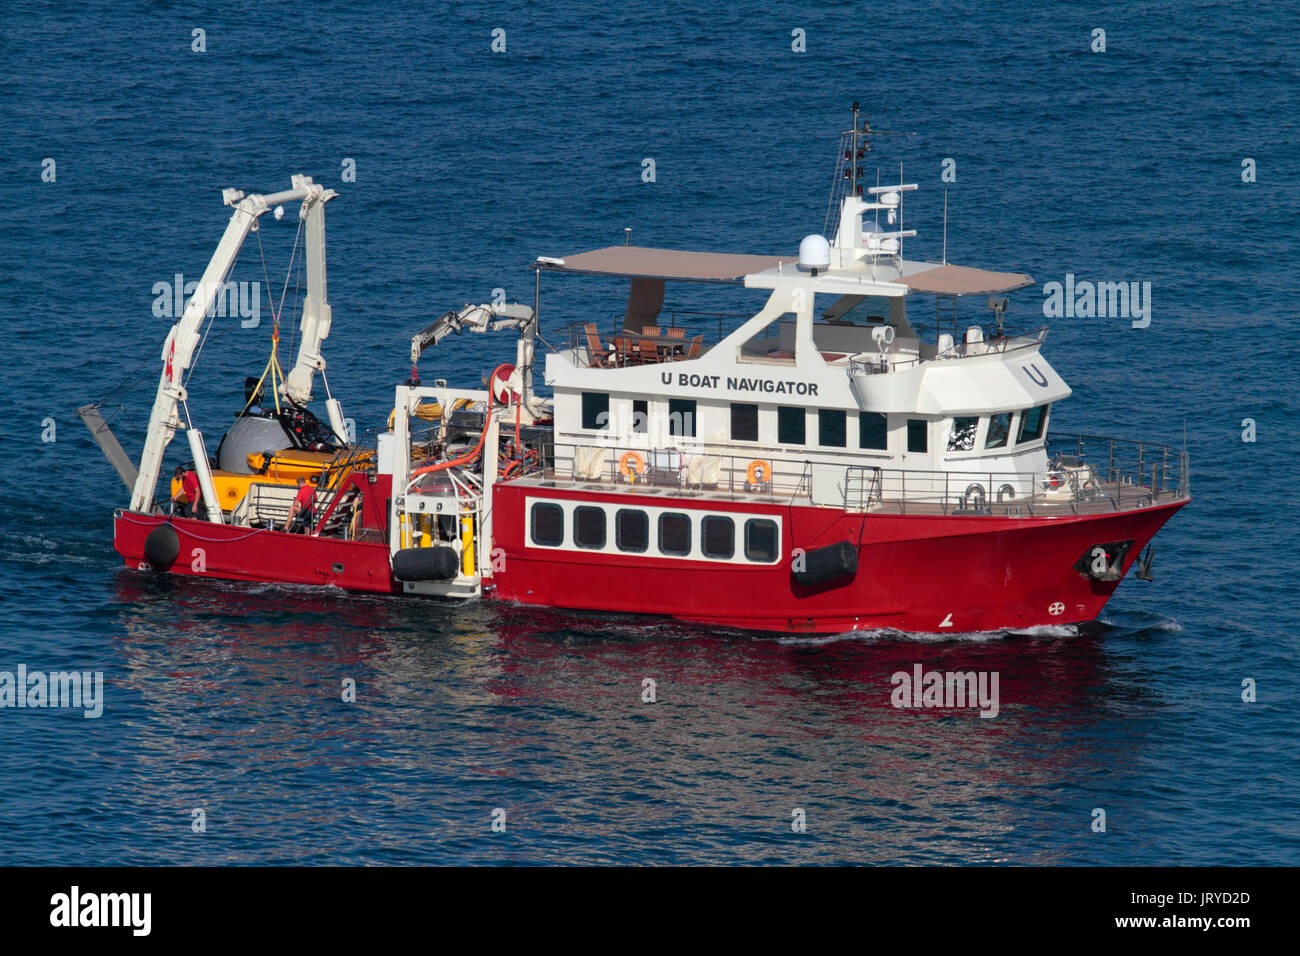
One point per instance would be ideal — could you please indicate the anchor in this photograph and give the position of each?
(1144, 563)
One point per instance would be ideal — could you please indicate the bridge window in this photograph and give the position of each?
(760, 540)
(674, 534)
(831, 427)
(589, 527)
(791, 426)
(547, 523)
(681, 417)
(718, 537)
(873, 431)
(918, 435)
(999, 431)
(962, 436)
(744, 422)
(595, 410)
(631, 530)
(1032, 423)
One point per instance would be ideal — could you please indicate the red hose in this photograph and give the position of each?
(487, 420)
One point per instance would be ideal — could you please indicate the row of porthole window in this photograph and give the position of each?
(674, 532)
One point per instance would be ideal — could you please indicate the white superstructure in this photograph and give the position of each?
(830, 371)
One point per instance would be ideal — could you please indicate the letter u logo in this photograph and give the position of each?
(1035, 375)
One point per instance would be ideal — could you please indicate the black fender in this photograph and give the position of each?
(162, 546)
(426, 564)
(836, 562)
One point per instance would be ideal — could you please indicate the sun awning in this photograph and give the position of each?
(646, 263)
(963, 280)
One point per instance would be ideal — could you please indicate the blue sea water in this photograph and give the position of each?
(1123, 165)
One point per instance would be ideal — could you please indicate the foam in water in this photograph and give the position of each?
(926, 637)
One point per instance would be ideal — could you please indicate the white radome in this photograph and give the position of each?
(814, 252)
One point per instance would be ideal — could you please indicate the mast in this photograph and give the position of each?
(855, 144)
(854, 169)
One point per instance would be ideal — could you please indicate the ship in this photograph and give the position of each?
(862, 452)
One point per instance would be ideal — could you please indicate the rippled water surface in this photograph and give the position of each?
(1122, 166)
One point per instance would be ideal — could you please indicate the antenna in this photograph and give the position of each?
(896, 219)
(876, 213)
(855, 143)
(858, 153)
(945, 227)
(863, 134)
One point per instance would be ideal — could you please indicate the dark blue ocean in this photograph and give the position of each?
(1122, 165)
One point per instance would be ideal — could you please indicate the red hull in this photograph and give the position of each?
(210, 550)
(915, 573)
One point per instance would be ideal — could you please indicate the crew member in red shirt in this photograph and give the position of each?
(189, 499)
(303, 505)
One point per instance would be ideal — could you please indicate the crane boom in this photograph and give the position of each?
(316, 312)
(183, 338)
(476, 318)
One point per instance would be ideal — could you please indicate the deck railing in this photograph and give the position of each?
(878, 363)
(1085, 474)
(995, 345)
(709, 325)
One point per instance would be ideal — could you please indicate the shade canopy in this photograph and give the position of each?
(646, 263)
(642, 262)
(962, 280)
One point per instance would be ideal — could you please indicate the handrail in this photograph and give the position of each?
(993, 346)
(574, 334)
(878, 363)
(1085, 473)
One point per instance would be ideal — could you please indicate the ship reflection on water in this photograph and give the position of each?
(236, 700)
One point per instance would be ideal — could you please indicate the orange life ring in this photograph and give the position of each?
(759, 471)
(631, 464)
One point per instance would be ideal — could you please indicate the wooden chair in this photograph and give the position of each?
(623, 353)
(648, 351)
(650, 330)
(599, 354)
(676, 347)
(697, 344)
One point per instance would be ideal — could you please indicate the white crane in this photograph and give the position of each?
(183, 339)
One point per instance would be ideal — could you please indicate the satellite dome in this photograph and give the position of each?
(814, 253)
